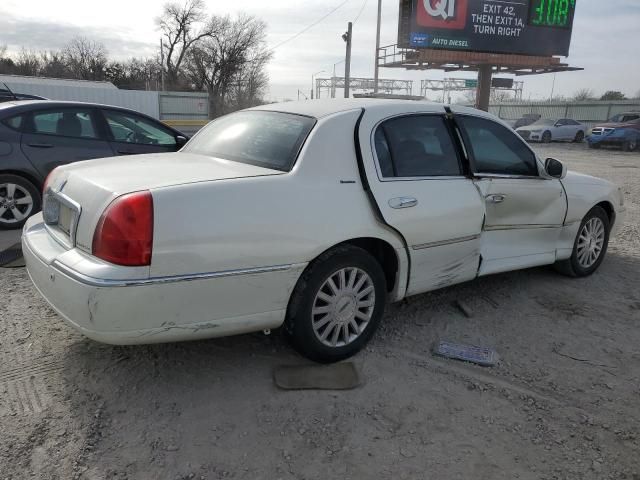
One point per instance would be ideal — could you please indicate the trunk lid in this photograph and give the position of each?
(79, 193)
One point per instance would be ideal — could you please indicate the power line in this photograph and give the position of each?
(360, 12)
(309, 26)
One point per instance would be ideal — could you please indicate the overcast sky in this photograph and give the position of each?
(606, 38)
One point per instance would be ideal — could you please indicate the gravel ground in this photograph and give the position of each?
(561, 404)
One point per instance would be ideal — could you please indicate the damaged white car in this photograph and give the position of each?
(311, 216)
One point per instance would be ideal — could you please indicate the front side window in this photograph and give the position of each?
(496, 149)
(416, 146)
(266, 139)
(65, 123)
(128, 128)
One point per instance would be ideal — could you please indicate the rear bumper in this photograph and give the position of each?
(145, 311)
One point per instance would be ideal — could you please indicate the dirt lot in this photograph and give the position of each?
(562, 403)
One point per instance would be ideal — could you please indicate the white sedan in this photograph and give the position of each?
(311, 216)
(550, 130)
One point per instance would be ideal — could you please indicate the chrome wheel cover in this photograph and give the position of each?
(16, 203)
(343, 307)
(590, 242)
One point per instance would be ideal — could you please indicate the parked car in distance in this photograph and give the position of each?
(37, 136)
(549, 130)
(310, 215)
(526, 119)
(623, 130)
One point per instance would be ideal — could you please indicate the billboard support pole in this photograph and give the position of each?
(376, 70)
(483, 93)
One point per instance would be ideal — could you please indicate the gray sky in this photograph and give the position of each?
(606, 38)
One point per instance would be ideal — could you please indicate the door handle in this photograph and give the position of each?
(403, 202)
(497, 198)
(40, 145)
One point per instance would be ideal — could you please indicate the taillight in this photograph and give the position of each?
(124, 234)
(46, 182)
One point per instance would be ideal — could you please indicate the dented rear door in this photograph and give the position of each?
(415, 176)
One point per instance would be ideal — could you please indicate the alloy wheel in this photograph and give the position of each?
(16, 203)
(343, 307)
(590, 242)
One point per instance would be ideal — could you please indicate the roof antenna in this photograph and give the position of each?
(9, 90)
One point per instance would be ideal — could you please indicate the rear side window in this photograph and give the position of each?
(14, 122)
(416, 146)
(496, 149)
(266, 139)
(65, 123)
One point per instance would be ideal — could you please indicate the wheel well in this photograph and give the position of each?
(26, 176)
(611, 213)
(383, 252)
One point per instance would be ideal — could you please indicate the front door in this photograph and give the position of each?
(57, 136)
(421, 192)
(525, 211)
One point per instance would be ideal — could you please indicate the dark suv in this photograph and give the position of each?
(37, 136)
(622, 130)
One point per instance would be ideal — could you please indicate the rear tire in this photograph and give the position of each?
(336, 305)
(19, 199)
(546, 137)
(579, 137)
(630, 145)
(589, 247)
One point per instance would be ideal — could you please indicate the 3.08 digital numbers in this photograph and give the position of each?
(551, 13)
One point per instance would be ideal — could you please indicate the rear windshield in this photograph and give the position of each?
(265, 139)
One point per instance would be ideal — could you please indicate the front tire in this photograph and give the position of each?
(19, 199)
(546, 137)
(336, 305)
(590, 246)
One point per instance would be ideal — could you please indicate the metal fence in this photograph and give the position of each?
(589, 112)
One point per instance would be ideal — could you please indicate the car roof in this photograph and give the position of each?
(324, 107)
(26, 105)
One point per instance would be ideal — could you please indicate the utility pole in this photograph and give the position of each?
(376, 68)
(347, 66)
(161, 65)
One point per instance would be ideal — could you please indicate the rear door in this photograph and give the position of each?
(60, 135)
(524, 210)
(421, 191)
(131, 134)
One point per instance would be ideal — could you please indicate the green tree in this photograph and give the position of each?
(613, 95)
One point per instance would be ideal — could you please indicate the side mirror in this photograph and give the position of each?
(555, 168)
(181, 141)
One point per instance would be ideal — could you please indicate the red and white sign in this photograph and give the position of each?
(445, 14)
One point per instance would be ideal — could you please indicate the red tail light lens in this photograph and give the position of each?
(124, 234)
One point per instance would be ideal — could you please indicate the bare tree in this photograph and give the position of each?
(220, 58)
(583, 94)
(182, 27)
(27, 63)
(86, 58)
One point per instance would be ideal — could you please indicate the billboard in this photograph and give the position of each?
(526, 27)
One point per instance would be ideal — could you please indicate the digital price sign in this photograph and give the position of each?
(552, 13)
(525, 27)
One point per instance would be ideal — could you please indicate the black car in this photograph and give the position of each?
(37, 136)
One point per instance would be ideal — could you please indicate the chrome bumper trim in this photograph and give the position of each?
(99, 282)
